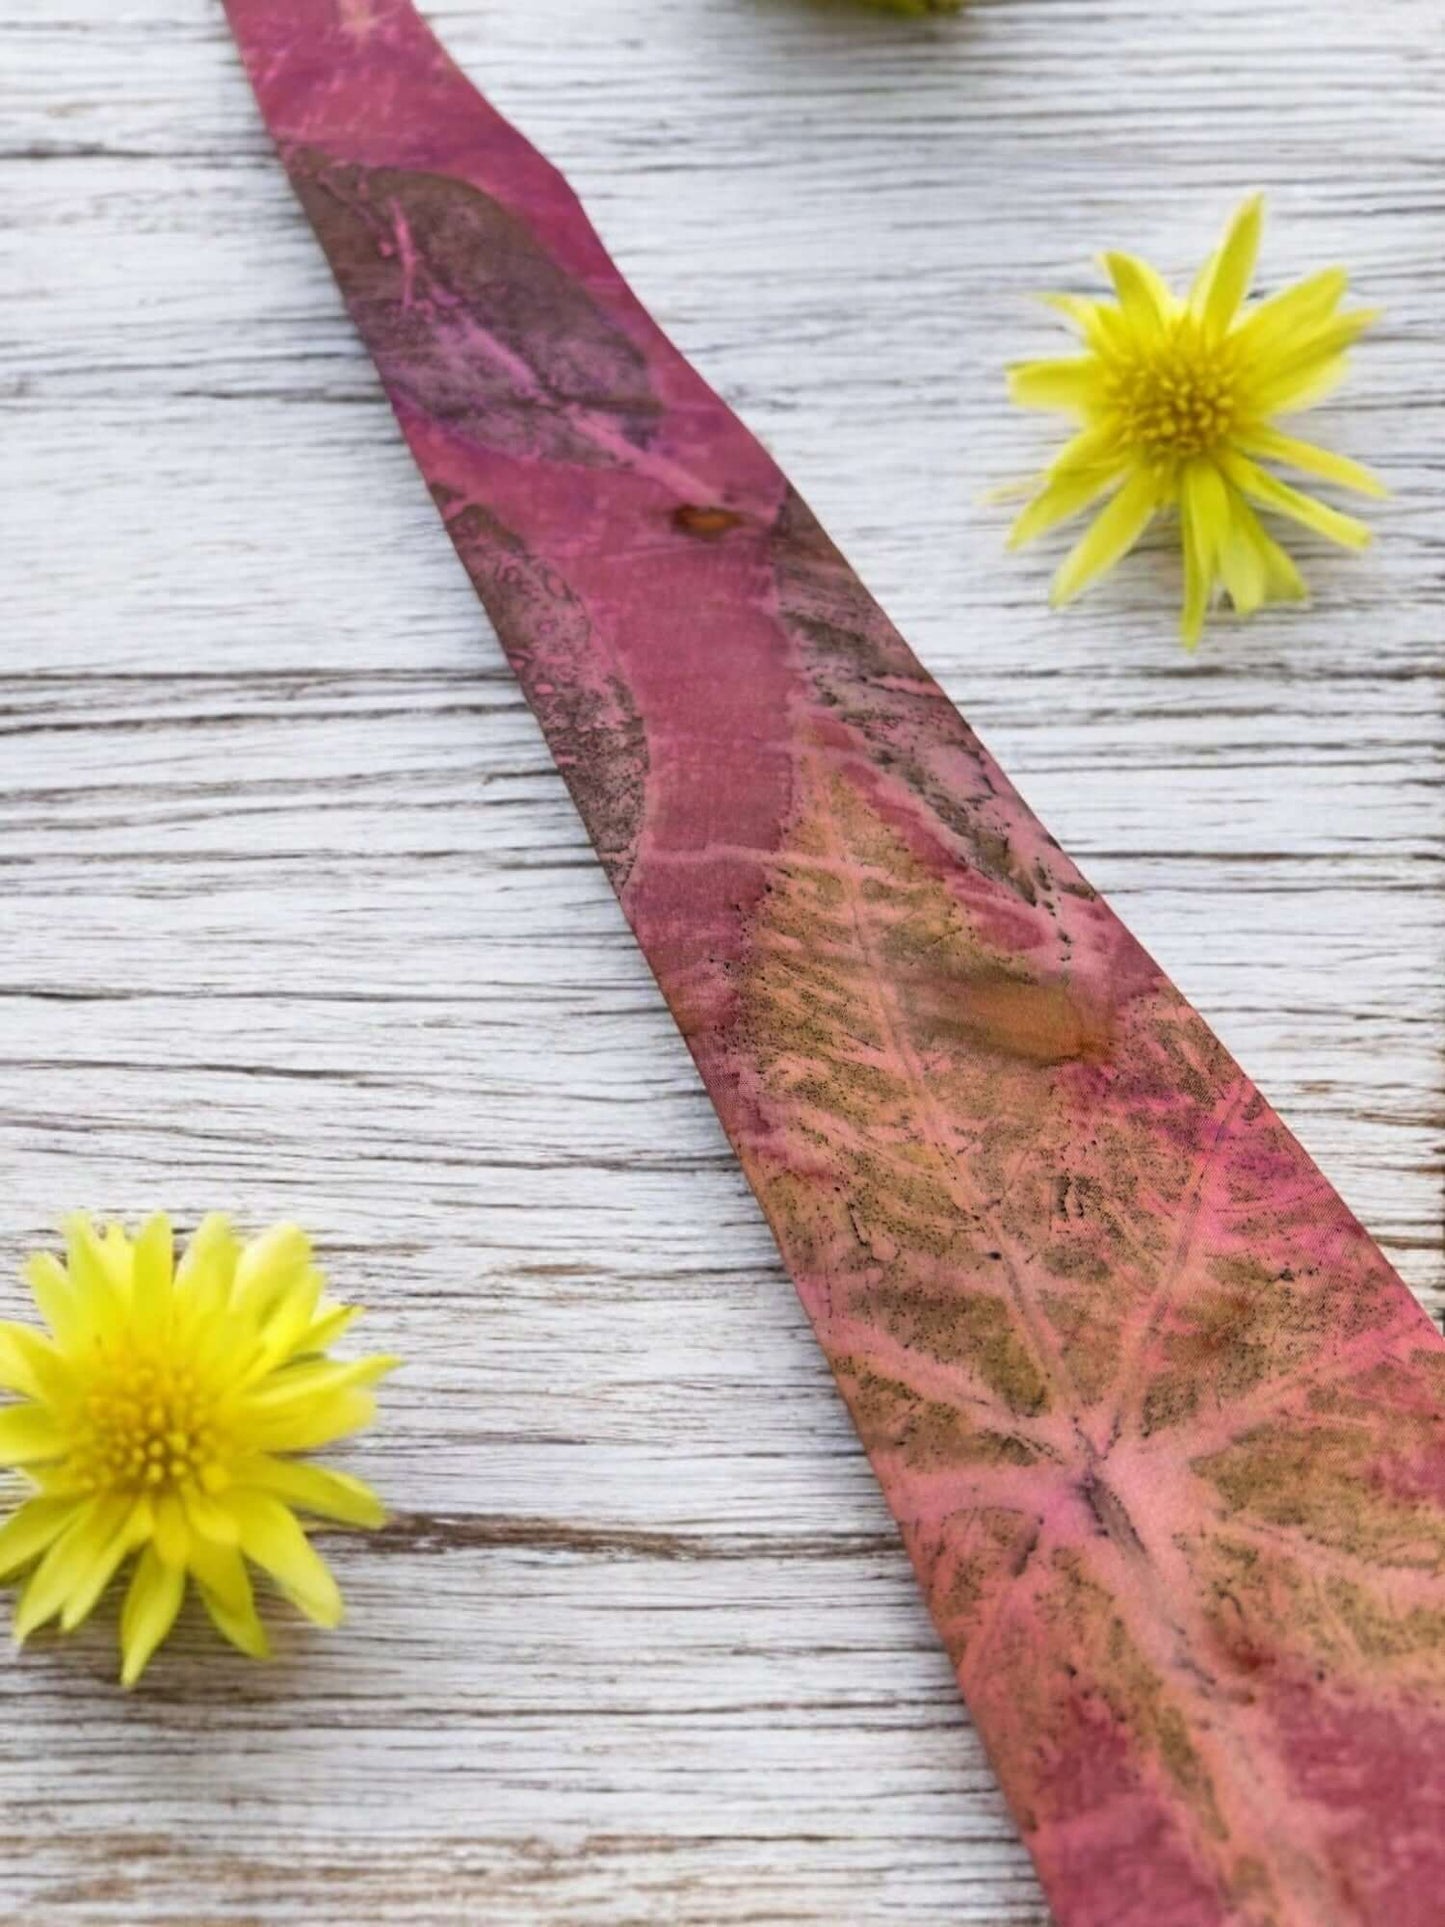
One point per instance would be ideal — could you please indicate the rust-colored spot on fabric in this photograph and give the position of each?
(709, 523)
(1043, 1023)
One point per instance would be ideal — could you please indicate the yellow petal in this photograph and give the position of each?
(330, 1322)
(116, 1247)
(314, 1488)
(271, 1536)
(1204, 518)
(29, 1364)
(113, 1536)
(153, 1269)
(1072, 383)
(287, 1323)
(243, 1629)
(29, 1433)
(1271, 493)
(1114, 532)
(1096, 446)
(32, 1530)
(99, 1275)
(172, 1533)
(1208, 504)
(1283, 581)
(150, 1611)
(1310, 459)
(221, 1570)
(309, 1404)
(207, 1268)
(1197, 587)
(1077, 310)
(1142, 293)
(1307, 389)
(310, 1379)
(305, 1427)
(209, 1518)
(269, 1268)
(1224, 282)
(1057, 500)
(1299, 348)
(56, 1299)
(1298, 373)
(1242, 567)
(57, 1481)
(225, 1588)
(1295, 311)
(63, 1567)
(1100, 323)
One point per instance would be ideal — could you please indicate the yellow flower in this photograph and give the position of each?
(159, 1417)
(1174, 401)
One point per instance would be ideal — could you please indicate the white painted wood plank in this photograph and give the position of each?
(297, 918)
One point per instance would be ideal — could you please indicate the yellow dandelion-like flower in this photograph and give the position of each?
(1174, 401)
(159, 1416)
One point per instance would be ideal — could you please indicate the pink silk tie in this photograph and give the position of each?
(1160, 1427)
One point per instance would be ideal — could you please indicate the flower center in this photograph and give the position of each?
(1175, 398)
(145, 1424)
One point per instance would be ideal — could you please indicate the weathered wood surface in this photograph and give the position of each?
(298, 919)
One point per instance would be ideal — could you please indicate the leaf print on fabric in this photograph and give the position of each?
(1041, 1241)
(592, 726)
(472, 324)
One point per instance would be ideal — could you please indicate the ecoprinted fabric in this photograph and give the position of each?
(1162, 1430)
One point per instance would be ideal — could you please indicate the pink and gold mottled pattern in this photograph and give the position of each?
(1162, 1430)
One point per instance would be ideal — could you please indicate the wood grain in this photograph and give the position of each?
(298, 919)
